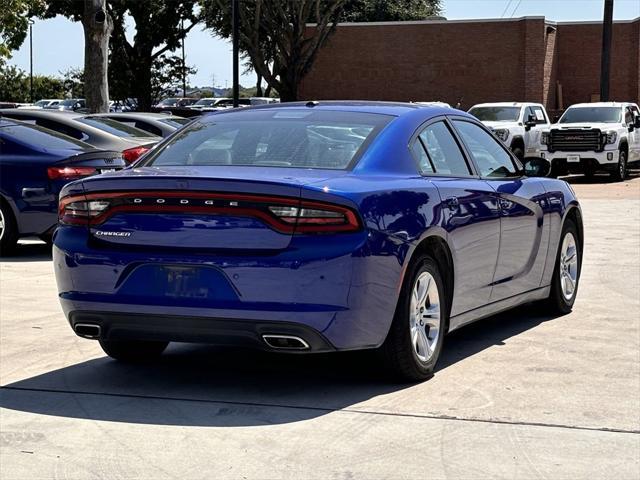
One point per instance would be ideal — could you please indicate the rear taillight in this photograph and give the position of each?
(69, 173)
(286, 215)
(80, 211)
(132, 154)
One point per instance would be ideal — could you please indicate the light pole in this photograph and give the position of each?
(184, 65)
(236, 47)
(31, 22)
(605, 65)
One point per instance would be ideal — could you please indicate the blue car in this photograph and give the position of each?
(315, 227)
(34, 165)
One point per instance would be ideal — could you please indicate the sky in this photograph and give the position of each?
(58, 43)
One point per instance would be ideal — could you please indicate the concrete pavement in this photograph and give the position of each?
(520, 395)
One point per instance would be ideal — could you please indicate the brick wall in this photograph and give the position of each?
(480, 61)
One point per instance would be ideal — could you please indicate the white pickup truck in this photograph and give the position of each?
(591, 137)
(518, 125)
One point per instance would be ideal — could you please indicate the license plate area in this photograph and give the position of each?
(573, 158)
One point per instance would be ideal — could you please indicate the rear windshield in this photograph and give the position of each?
(206, 102)
(114, 127)
(496, 114)
(170, 102)
(39, 137)
(278, 138)
(175, 122)
(592, 115)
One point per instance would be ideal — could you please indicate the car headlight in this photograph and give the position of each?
(544, 138)
(611, 137)
(502, 134)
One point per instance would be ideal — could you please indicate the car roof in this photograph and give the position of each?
(382, 108)
(53, 114)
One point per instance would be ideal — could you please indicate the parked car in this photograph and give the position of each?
(592, 137)
(102, 133)
(315, 227)
(159, 124)
(175, 102)
(34, 165)
(47, 102)
(208, 102)
(69, 105)
(222, 103)
(518, 125)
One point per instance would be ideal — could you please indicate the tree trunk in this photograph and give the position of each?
(97, 26)
(259, 85)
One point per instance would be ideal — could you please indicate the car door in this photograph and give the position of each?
(521, 201)
(532, 134)
(470, 213)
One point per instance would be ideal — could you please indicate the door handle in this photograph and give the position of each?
(452, 203)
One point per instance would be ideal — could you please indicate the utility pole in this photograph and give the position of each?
(184, 64)
(605, 66)
(31, 22)
(235, 20)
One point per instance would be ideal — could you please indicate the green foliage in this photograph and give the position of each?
(390, 10)
(15, 86)
(166, 72)
(14, 23)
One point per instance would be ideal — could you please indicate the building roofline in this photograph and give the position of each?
(473, 20)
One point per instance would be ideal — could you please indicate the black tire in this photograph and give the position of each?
(133, 351)
(589, 171)
(620, 172)
(519, 153)
(557, 302)
(398, 350)
(8, 229)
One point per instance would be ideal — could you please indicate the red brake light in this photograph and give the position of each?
(130, 155)
(68, 173)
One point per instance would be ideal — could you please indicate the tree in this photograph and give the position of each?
(390, 10)
(166, 72)
(14, 23)
(158, 31)
(97, 25)
(274, 35)
(14, 85)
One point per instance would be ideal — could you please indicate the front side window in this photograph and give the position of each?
(491, 158)
(442, 153)
(276, 138)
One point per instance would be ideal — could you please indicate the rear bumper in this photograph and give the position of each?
(331, 290)
(218, 331)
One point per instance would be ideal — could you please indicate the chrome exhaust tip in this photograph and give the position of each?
(285, 342)
(87, 330)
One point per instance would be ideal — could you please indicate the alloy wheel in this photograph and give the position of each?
(2, 224)
(568, 266)
(425, 317)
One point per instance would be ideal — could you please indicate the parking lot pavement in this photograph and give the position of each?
(519, 395)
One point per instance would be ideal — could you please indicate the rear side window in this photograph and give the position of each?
(440, 152)
(114, 127)
(491, 158)
(276, 138)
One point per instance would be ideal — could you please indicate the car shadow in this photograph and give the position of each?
(209, 386)
(598, 178)
(28, 251)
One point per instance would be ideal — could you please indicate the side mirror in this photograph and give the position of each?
(530, 122)
(636, 123)
(536, 167)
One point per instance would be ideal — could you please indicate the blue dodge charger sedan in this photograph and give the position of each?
(315, 227)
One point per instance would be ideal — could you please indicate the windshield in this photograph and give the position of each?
(69, 103)
(42, 103)
(591, 115)
(33, 135)
(114, 127)
(284, 138)
(496, 114)
(169, 102)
